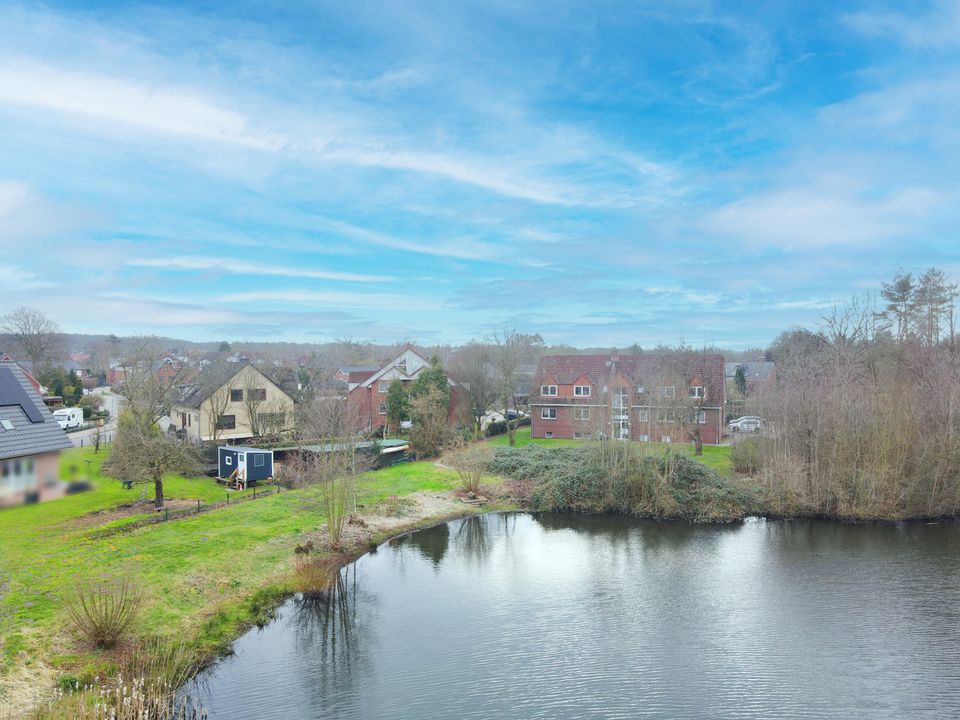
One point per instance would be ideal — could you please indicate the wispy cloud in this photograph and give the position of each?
(936, 29)
(239, 267)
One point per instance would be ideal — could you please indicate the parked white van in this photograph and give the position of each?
(68, 417)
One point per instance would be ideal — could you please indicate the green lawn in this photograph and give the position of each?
(203, 568)
(715, 456)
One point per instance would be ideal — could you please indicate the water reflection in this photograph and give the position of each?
(566, 616)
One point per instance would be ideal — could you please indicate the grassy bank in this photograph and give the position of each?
(207, 576)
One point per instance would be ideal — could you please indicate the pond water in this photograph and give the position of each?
(564, 616)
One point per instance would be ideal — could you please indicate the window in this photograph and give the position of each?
(236, 396)
(578, 436)
(643, 415)
(383, 408)
(227, 422)
(548, 435)
(643, 438)
(382, 387)
(666, 415)
(581, 390)
(550, 390)
(7, 425)
(696, 391)
(669, 391)
(259, 460)
(581, 413)
(641, 389)
(256, 394)
(228, 460)
(621, 398)
(548, 413)
(665, 438)
(702, 417)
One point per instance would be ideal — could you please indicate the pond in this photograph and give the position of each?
(564, 616)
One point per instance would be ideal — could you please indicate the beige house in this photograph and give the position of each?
(234, 403)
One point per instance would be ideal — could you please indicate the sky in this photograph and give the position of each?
(602, 173)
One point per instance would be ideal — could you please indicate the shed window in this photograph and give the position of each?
(228, 460)
(259, 460)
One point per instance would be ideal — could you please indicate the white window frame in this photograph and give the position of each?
(701, 417)
(581, 413)
(548, 413)
(383, 408)
(641, 390)
(643, 415)
(697, 391)
(548, 390)
(666, 415)
(548, 435)
(259, 460)
(581, 391)
(382, 387)
(669, 391)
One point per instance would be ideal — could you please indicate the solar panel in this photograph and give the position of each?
(12, 393)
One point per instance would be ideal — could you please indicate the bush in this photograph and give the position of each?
(611, 476)
(746, 457)
(315, 575)
(104, 611)
(470, 462)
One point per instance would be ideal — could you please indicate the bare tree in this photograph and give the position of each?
(146, 455)
(35, 333)
(474, 370)
(511, 350)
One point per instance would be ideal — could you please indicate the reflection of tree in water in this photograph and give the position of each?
(328, 634)
(472, 537)
(432, 543)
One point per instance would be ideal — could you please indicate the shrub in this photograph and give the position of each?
(104, 611)
(470, 462)
(746, 457)
(315, 575)
(612, 476)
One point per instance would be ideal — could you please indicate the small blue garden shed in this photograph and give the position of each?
(253, 464)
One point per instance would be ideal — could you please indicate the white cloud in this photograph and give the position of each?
(239, 267)
(823, 213)
(380, 301)
(938, 28)
(147, 106)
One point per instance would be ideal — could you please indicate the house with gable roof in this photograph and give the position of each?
(368, 398)
(30, 440)
(658, 397)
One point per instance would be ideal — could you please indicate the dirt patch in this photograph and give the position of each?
(140, 507)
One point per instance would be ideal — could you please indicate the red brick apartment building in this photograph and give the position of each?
(368, 397)
(655, 397)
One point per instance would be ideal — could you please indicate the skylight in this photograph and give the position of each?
(6, 424)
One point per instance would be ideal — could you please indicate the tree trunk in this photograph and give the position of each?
(511, 424)
(158, 493)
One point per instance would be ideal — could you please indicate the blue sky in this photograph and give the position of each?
(602, 173)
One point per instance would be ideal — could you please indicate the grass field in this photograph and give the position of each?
(200, 572)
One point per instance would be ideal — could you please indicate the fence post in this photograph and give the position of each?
(198, 504)
(254, 493)
(166, 513)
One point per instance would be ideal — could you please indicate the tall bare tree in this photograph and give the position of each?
(35, 333)
(473, 367)
(511, 349)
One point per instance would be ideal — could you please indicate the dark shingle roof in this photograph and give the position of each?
(34, 429)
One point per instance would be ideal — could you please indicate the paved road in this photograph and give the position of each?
(111, 402)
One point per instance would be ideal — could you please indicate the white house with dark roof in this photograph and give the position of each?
(30, 441)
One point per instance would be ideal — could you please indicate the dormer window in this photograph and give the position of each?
(696, 391)
(581, 390)
(548, 390)
(669, 391)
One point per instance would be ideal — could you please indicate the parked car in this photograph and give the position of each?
(746, 424)
(69, 417)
